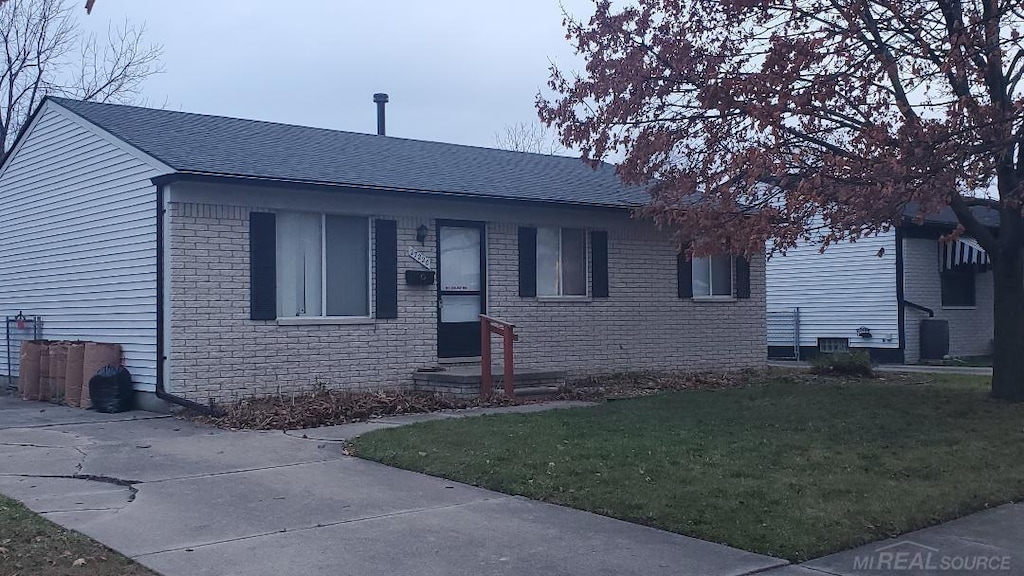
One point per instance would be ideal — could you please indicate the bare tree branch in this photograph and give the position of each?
(528, 137)
(46, 53)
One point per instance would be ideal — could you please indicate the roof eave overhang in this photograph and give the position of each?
(265, 182)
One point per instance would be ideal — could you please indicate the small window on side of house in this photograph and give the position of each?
(958, 288)
(833, 345)
(712, 276)
(561, 262)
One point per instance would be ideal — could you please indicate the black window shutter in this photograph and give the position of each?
(262, 266)
(527, 262)
(742, 277)
(385, 249)
(599, 263)
(684, 276)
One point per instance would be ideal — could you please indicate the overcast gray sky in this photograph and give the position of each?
(456, 70)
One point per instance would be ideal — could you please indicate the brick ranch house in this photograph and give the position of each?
(233, 258)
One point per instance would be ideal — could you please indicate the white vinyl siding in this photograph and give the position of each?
(838, 291)
(78, 240)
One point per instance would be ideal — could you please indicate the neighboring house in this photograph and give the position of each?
(874, 293)
(233, 257)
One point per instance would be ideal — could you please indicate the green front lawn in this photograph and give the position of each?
(795, 466)
(30, 544)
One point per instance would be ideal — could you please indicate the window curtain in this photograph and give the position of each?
(548, 273)
(299, 265)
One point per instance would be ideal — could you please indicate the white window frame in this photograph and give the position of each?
(323, 318)
(711, 280)
(561, 267)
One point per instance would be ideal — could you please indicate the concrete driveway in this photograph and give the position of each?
(191, 501)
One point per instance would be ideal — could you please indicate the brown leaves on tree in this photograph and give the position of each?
(798, 120)
(792, 121)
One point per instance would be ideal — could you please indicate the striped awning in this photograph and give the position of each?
(964, 251)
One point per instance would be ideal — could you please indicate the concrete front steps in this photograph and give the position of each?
(463, 381)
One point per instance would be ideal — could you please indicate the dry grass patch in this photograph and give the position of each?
(30, 544)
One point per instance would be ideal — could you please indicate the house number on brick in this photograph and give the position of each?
(419, 257)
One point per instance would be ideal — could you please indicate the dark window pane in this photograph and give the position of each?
(958, 287)
(574, 262)
(348, 254)
(721, 276)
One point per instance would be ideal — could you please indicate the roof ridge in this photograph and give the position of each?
(208, 144)
(61, 100)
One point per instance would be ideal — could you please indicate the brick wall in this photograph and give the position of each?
(642, 325)
(970, 330)
(217, 352)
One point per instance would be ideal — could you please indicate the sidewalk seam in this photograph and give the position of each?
(322, 525)
(242, 471)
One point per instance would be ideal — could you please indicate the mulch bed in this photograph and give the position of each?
(332, 407)
(635, 384)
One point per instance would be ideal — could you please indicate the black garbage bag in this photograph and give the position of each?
(111, 390)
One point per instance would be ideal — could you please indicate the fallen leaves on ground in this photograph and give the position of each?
(634, 384)
(331, 407)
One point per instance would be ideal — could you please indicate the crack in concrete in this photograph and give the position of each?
(111, 509)
(85, 422)
(822, 570)
(306, 436)
(241, 471)
(27, 445)
(81, 463)
(767, 570)
(129, 484)
(321, 525)
(977, 542)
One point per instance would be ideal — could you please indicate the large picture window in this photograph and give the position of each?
(712, 276)
(322, 265)
(561, 262)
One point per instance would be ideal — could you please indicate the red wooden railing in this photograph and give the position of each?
(488, 326)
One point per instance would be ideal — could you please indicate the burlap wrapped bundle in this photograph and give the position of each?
(28, 369)
(58, 368)
(44, 372)
(97, 355)
(73, 374)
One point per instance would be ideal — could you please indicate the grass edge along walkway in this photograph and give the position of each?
(794, 465)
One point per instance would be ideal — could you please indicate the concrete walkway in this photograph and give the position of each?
(905, 368)
(192, 501)
(986, 543)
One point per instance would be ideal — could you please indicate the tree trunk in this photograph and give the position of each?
(1008, 346)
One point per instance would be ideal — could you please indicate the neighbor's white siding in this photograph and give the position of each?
(78, 239)
(837, 291)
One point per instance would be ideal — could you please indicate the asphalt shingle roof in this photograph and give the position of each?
(218, 145)
(946, 217)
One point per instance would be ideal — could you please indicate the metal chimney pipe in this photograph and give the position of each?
(381, 99)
